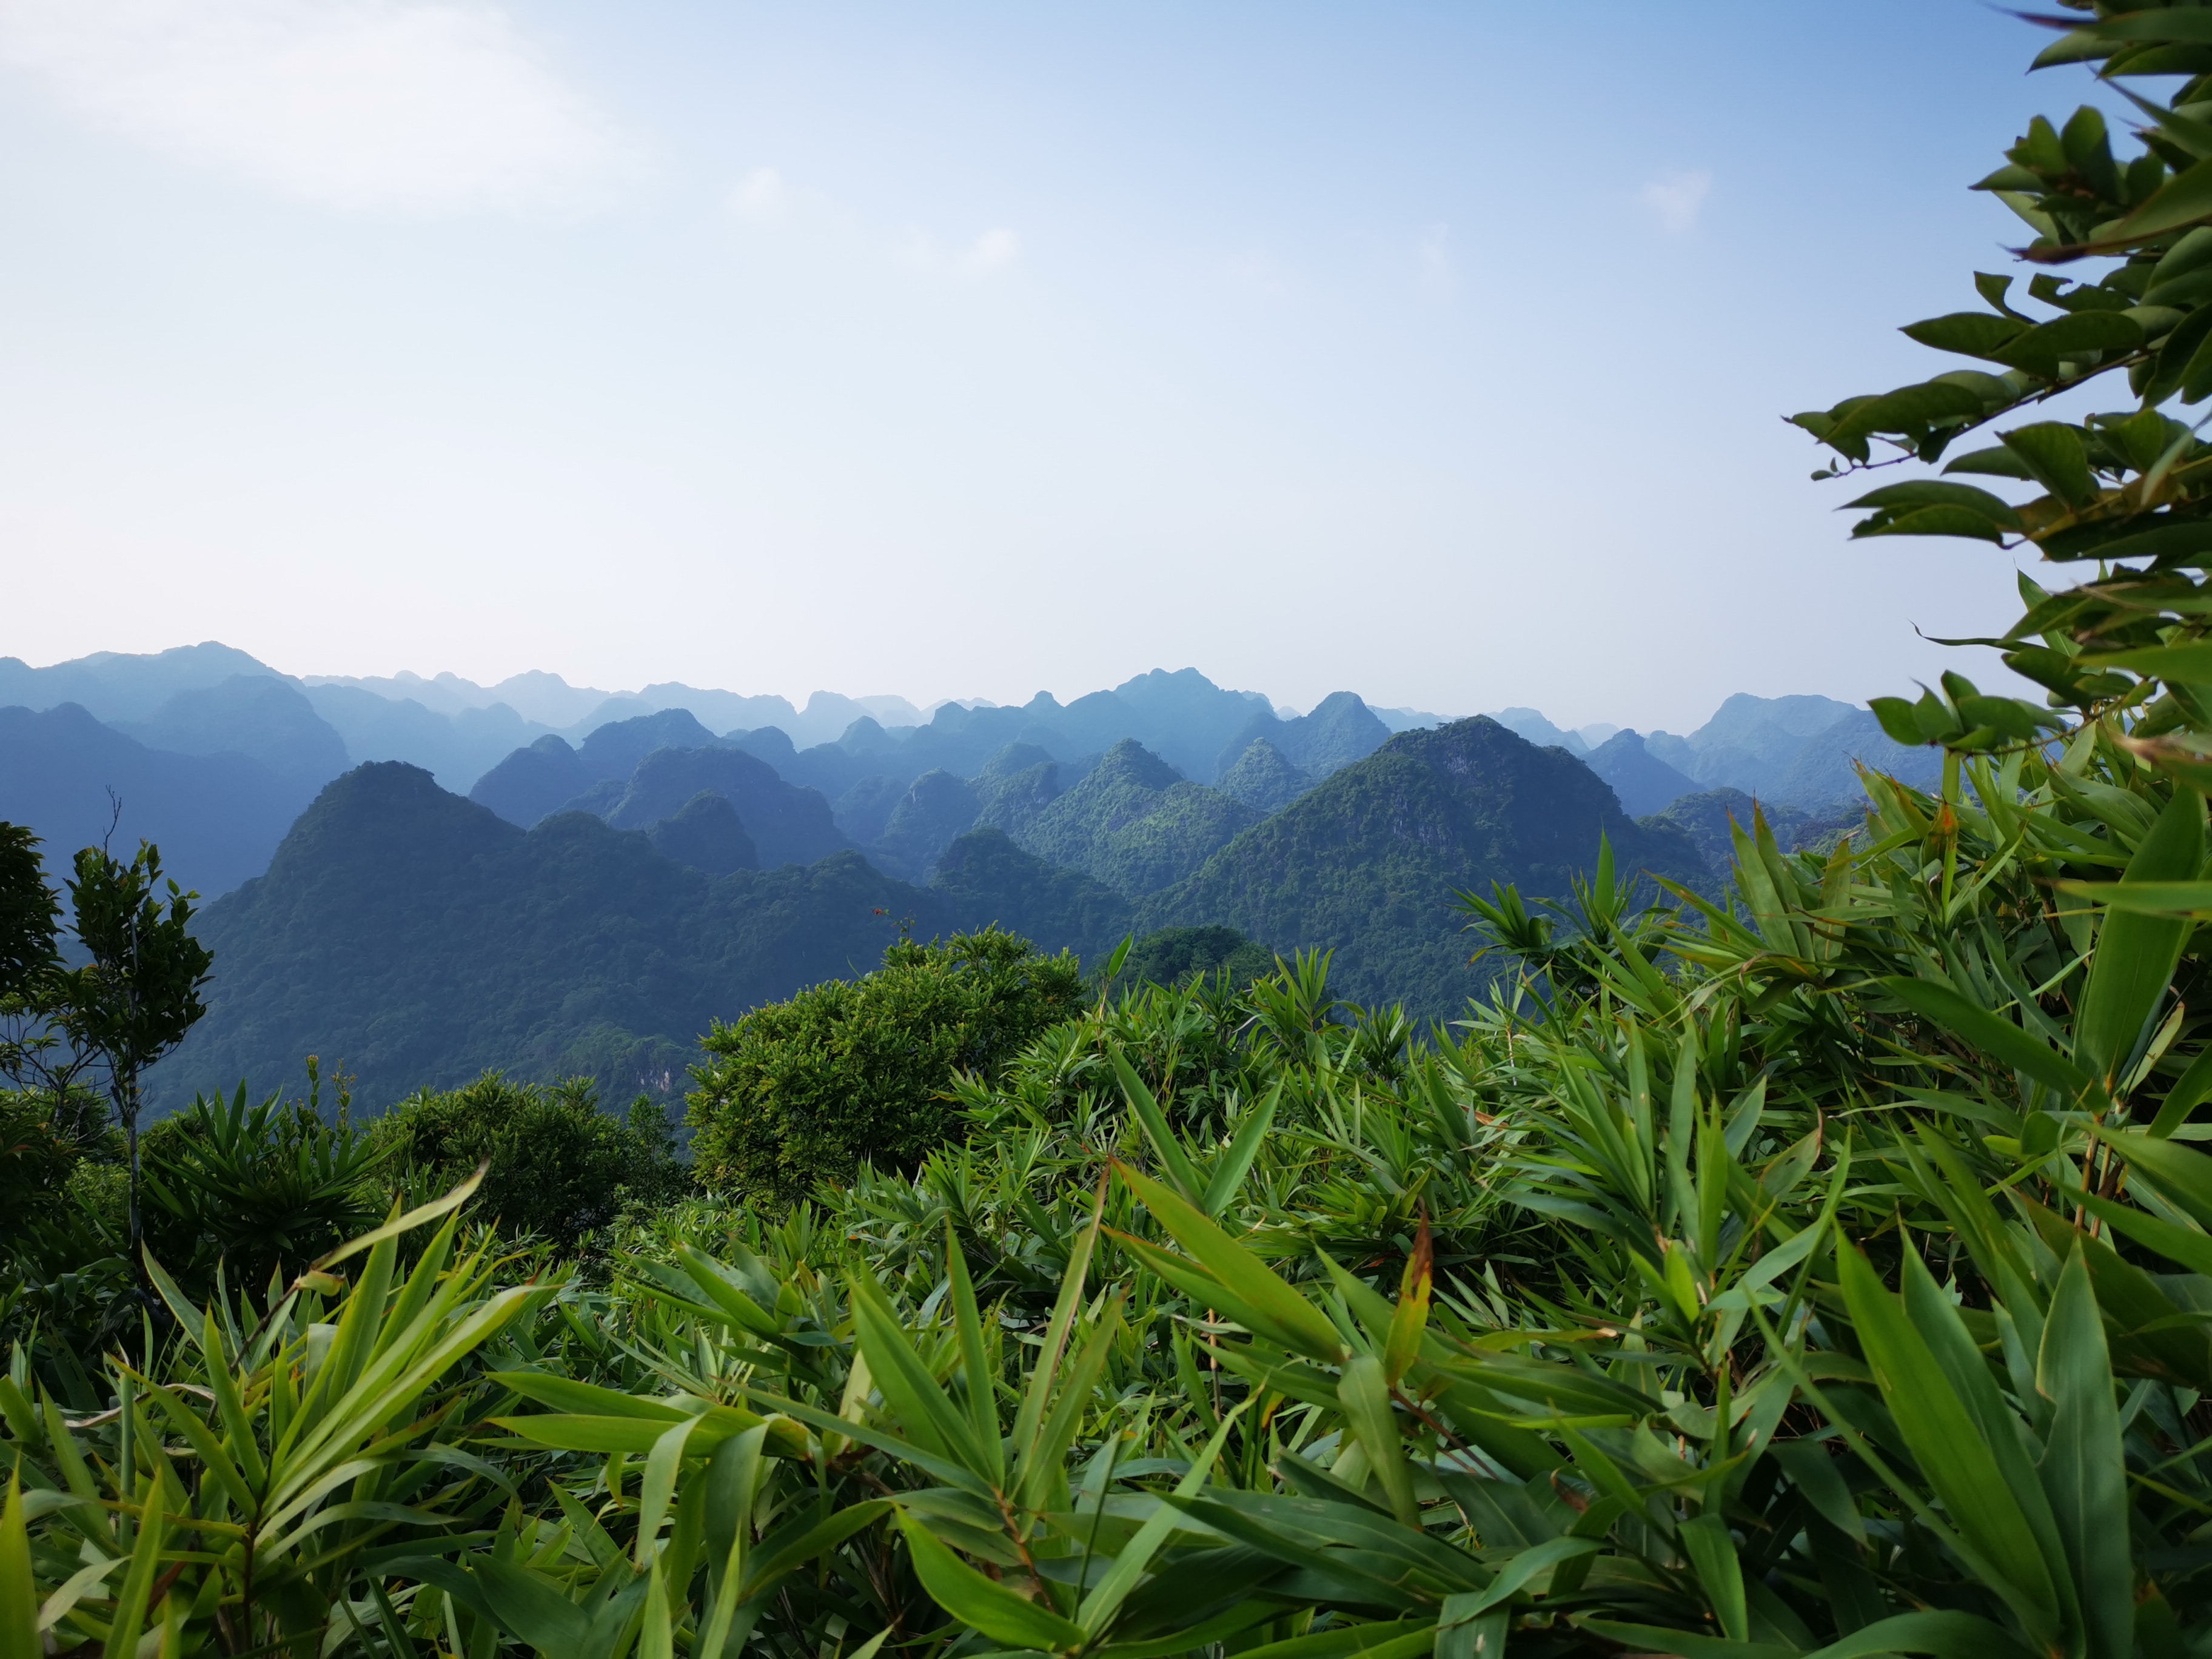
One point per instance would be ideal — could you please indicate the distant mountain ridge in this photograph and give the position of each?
(1364, 865)
(414, 938)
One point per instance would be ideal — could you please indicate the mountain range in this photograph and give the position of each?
(606, 888)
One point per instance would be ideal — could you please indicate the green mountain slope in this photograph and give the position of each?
(1133, 823)
(410, 937)
(1365, 864)
(1263, 779)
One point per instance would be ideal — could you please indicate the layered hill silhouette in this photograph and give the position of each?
(414, 937)
(1365, 865)
(77, 782)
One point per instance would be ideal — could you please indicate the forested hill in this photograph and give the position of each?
(1365, 864)
(414, 937)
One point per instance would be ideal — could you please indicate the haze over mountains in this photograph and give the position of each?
(424, 877)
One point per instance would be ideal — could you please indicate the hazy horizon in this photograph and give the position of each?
(1439, 353)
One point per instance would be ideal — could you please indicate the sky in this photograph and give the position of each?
(1435, 351)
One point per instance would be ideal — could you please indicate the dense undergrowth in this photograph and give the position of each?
(1827, 1270)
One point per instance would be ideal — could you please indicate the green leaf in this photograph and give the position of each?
(2084, 1467)
(2188, 1090)
(1238, 1270)
(2053, 452)
(2182, 1177)
(1367, 1400)
(2182, 200)
(2136, 954)
(1950, 1450)
(1003, 1614)
(662, 1464)
(526, 1606)
(930, 1420)
(130, 1601)
(1897, 721)
(982, 1393)
(2190, 663)
(1030, 1418)
(414, 1219)
(1236, 1163)
(1389, 1638)
(1996, 1036)
(1713, 1558)
(1157, 1129)
(1970, 333)
(19, 1591)
(1104, 1600)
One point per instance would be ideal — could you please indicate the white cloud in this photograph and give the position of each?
(1675, 197)
(432, 106)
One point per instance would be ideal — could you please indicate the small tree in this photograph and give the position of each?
(559, 1167)
(134, 1001)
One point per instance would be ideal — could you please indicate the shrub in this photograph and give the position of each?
(802, 1091)
(1176, 956)
(560, 1167)
(261, 1189)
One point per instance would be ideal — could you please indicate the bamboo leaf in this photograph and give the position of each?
(662, 1464)
(1998, 1038)
(1237, 1269)
(1365, 1397)
(19, 1591)
(412, 1219)
(982, 1393)
(2135, 953)
(2084, 1467)
(1950, 1450)
(1157, 1129)
(1003, 1614)
(1236, 1163)
(1713, 1559)
(1099, 1608)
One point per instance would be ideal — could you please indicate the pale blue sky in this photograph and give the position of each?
(1432, 351)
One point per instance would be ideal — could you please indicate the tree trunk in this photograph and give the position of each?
(126, 1106)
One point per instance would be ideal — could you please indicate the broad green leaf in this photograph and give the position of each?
(1713, 1558)
(1100, 1606)
(19, 1591)
(1995, 1035)
(2135, 954)
(2051, 450)
(1950, 1450)
(1236, 1163)
(1157, 1130)
(998, 1611)
(2084, 1467)
(1237, 1269)
(528, 1607)
(1366, 1396)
